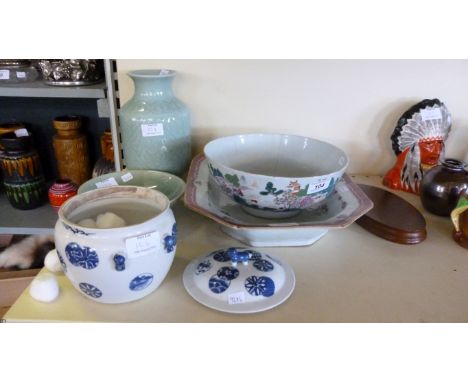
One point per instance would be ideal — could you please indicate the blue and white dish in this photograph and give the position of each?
(239, 280)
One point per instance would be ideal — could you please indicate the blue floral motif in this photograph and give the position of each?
(228, 273)
(62, 262)
(204, 266)
(76, 230)
(257, 286)
(263, 265)
(254, 255)
(221, 256)
(90, 290)
(170, 241)
(84, 257)
(141, 282)
(217, 285)
(119, 261)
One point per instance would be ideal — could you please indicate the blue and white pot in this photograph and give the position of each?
(117, 265)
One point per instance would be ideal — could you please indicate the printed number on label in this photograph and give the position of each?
(236, 298)
(127, 177)
(152, 130)
(319, 185)
(145, 244)
(107, 183)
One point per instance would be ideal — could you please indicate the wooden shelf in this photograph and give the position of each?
(39, 89)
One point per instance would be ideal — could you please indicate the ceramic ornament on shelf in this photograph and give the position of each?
(460, 220)
(155, 125)
(60, 191)
(418, 141)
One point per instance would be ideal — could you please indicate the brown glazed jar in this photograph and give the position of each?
(105, 164)
(71, 150)
(442, 185)
(10, 127)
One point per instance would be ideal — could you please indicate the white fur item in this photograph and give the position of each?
(21, 254)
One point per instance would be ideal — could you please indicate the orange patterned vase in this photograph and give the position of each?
(71, 150)
(60, 191)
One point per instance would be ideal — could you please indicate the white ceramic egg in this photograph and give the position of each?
(44, 288)
(52, 262)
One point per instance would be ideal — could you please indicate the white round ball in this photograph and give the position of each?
(109, 220)
(52, 262)
(44, 288)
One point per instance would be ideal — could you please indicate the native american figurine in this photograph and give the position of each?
(418, 141)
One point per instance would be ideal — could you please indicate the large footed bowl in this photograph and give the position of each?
(275, 175)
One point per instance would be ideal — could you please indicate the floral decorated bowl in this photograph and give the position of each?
(116, 265)
(275, 175)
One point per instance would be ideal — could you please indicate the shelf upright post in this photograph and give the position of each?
(110, 69)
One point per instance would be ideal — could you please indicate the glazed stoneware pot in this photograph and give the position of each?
(26, 195)
(275, 175)
(60, 191)
(442, 185)
(116, 265)
(71, 150)
(9, 127)
(19, 159)
(155, 125)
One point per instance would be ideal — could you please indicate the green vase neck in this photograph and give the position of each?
(152, 86)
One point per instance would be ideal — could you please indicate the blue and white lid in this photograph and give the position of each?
(239, 280)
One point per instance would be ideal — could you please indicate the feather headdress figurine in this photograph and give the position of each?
(418, 141)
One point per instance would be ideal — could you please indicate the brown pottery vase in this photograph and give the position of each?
(71, 150)
(105, 163)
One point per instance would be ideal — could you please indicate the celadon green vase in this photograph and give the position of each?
(155, 125)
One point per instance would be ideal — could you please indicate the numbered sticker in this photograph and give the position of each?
(4, 74)
(142, 245)
(430, 114)
(21, 133)
(236, 298)
(107, 183)
(319, 185)
(127, 177)
(152, 130)
(20, 74)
